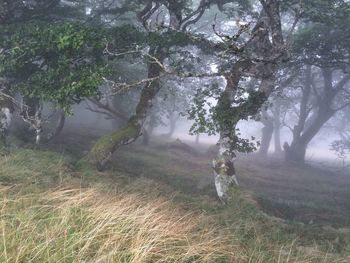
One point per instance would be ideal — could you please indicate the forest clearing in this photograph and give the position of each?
(141, 131)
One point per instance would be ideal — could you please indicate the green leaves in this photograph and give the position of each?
(60, 63)
(323, 40)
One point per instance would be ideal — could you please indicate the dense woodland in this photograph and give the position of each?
(142, 65)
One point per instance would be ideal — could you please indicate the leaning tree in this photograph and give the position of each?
(164, 32)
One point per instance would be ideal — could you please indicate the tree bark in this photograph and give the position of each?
(145, 137)
(295, 153)
(104, 148)
(172, 125)
(197, 139)
(223, 164)
(277, 127)
(6, 112)
(308, 127)
(267, 132)
(31, 114)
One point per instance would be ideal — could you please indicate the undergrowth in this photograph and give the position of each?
(52, 212)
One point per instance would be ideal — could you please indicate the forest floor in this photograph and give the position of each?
(307, 193)
(158, 204)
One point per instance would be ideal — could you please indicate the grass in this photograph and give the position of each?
(53, 212)
(75, 225)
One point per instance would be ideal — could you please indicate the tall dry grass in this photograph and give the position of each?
(134, 221)
(75, 225)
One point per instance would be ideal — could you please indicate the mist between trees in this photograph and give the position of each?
(139, 65)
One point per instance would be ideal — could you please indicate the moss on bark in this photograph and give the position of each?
(103, 149)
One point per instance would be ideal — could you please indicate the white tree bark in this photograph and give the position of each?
(5, 122)
(223, 166)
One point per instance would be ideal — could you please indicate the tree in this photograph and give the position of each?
(59, 63)
(257, 57)
(322, 46)
(171, 36)
(267, 131)
(67, 62)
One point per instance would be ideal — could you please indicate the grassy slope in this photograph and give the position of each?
(145, 209)
(305, 194)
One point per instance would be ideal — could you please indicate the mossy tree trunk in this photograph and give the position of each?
(104, 148)
(269, 43)
(223, 164)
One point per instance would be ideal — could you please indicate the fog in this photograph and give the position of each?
(319, 151)
(175, 131)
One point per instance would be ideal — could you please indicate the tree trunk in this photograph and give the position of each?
(5, 122)
(197, 139)
(104, 148)
(6, 112)
(223, 166)
(277, 139)
(295, 153)
(277, 127)
(172, 125)
(267, 132)
(31, 113)
(145, 137)
(151, 126)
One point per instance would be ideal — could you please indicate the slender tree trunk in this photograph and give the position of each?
(32, 110)
(151, 125)
(277, 127)
(197, 139)
(223, 164)
(267, 132)
(277, 139)
(172, 125)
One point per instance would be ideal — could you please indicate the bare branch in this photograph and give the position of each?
(108, 110)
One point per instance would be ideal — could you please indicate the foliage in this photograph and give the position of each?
(323, 38)
(60, 63)
(341, 148)
(212, 119)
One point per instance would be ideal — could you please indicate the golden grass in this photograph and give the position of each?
(75, 225)
(135, 222)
